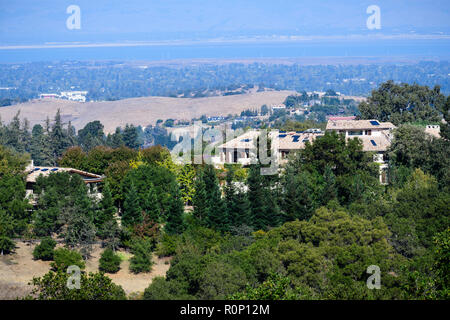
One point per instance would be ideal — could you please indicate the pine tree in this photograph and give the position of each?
(175, 224)
(78, 219)
(130, 137)
(305, 199)
(236, 202)
(329, 190)
(132, 212)
(216, 215)
(264, 208)
(106, 209)
(58, 136)
(115, 140)
(151, 206)
(200, 200)
(290, 195)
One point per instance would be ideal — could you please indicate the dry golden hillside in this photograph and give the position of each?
(140, 111)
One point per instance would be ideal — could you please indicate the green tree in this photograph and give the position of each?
(45, 250)
(91, 135)
(58, 137)
(130, 137)
(63, 258)
(264, 208)
(109, 261)
(175, 221)
(132, 212)
(151, 205)
(200, 200)
(216, 215)
(142, 257)
(236, 203)
(403, 103)
(106, 210)
(276, 287)
(6, 245)
(93, 286)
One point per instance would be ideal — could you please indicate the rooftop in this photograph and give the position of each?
(292, 140)
(374, 143)
(35, 172)
(358, 124)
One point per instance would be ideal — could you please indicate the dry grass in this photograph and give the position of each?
(140, 111)
(18, 269)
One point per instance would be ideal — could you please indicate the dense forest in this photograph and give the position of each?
(308, 232)
(119, 80)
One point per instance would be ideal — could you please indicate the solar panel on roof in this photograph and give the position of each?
(54, 169)
(245, 140)
(44, 169)
(304, 140)
(373, 142)
(282, 135)
(295, 138)
(374, 123)
(282, 131)
(37, 169)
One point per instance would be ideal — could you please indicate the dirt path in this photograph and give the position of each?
(17, 270)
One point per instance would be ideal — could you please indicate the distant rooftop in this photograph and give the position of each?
(334, 118)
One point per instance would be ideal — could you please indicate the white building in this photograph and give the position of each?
(79, 96)
(243, 148)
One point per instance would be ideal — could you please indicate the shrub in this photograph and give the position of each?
(167, 245)
(64, 258)
(142, 257)
(44, 251)
(93, 286)
(109, 262)
(6, 245)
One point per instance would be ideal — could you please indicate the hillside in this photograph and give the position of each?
(139, 111)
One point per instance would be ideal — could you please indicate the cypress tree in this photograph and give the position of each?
(132, 213)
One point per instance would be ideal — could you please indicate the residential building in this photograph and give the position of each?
(433, 130)
(34, 172)
(243, 149)
(376, 137)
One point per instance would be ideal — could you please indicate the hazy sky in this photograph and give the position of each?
(34, 22)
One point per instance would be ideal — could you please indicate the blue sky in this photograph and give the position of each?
(34, 22)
